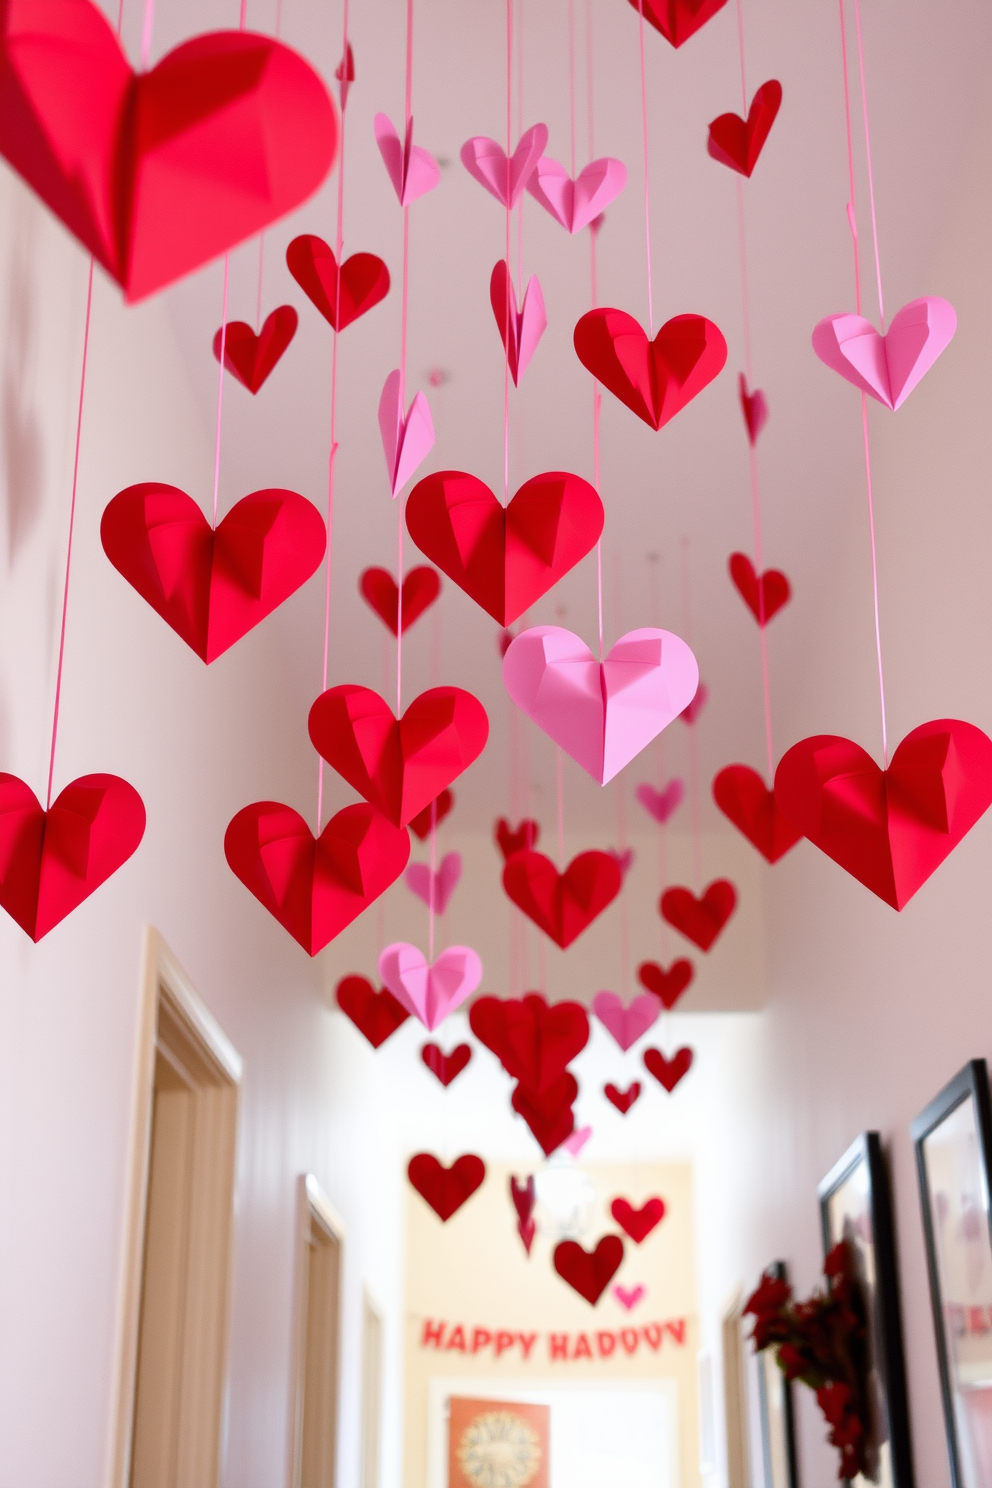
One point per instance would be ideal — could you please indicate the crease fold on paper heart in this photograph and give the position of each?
(406, 442)
(887, 367)
(520, 328)
(439, 885)
(412, 170)
(430, 990)
(505, 179)
(577, 203)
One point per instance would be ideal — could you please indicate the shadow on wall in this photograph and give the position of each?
(21, 434)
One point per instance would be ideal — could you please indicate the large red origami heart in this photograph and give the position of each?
(446, 1067)
(589, 1273)
(160, 172)
(513, 840)
(398, 767)
(251, 358)
(668, 1072)
(699, 919)
(446, 1189)
(548, 1112)
(666, 984)
(505, 558)
(638, 1223)
(742, 795)
(51, 861)
(737, 142)
(314, 888)
(889, 828)
(763, 596)
(342, 295)
(532, 1039)
(677, 20)
(654, 378)
(212, 587)
(562, 904)
(421, 588)
(622, 1099)
(376, 1014)
(432, 815)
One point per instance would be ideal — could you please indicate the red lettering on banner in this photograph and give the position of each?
(630, 1339)
(653, 1334)
(480, 1339)
(456, 1339)
(677, 1330)
(527, 1342)
(433, 1334)
(976, 1320)
(504, 1341)
(558, 1345)
(582, 1349)
(606, 1343)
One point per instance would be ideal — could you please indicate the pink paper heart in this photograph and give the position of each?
(661, 804)
(575, 1143)
(626, 1024)
(888, 367)
(693, 709)
(405, 441)
(601, 713)
(413, 171)
(577, 203)
(629, 1297)
(624, 860)
(486, 161)
(429, 990)
(754, 407)
(420, 880)
(521, 329)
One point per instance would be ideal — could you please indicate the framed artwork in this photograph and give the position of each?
(778, 1437)
(855, 1205)
(953, 1140)
(498, 1444)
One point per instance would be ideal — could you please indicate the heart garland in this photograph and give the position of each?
(446, 1189)
(668, 985)
(432, 815)
(512, 840)
(504, 179)
(622, 1099)
(575, 204)
(520, 328)
(738, 142)
(446, 1067)
(406, 441)
(412, 170)
(661, 804)
(251, 358)
(341, 296)
(887, 367)
(562, 904)
(377, 1015)
(743, 797)
(626, 1024)
(533, 1039)
(655, 379)
(421, 587)
(668, 1072)
(638, 1223)
(435, 889)
(700, 919)
(763, 596)
(430, 990)
(677, 20)
(589, 1272)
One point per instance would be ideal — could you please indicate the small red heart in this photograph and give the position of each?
(504, 558)
(622, 1099)
(433, 814)
(655, 379)
(363, 279)
(446, 1067)
(548, 1113)
(764, 597)
(446, 1189)
(742, 795)
(589, 1272)
(737, 143)
(668, 985)
(512, 840)
(421, 587)
(638, 1223)
(314, 887)
(398, 767)
(700, 920)
(677, 20)
(212, 587)
(668, 1072)
(251, 358)
(50, 861)
(524, 1196)
(526, 1229)
(754, 407)
(533, 1040)
(562, 904)
(376, 1014)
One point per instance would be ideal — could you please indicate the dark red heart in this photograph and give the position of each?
(638, 1223)
(562, 904)
(742, 795)
(51, 861)
(668, 1072)
(668, 984)
(376, 1014)
(398, 767)
(533, 1040)
(504, 558)
(446, 1189)
(890, 829)
(677, 20)
(738, 143)
(655, 379)
(212, 587)
(526, 1229)
(363, 279)
(700, 920)
(314, 888)
(764, 597)
(622, 1099)
(589, 1272)
(421, 587)
(524, 1196)
(446, 1067)
(512, 840)
(548, 1113)
(251, 358)
(754, 407)
(433, 814)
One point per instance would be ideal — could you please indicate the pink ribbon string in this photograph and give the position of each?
(507, 311)
(401, 502)
(697, 870)
(647, 188)
(220, 387)
(560, 783)
(740, 39)
(654, 560)
(593, 275)
(433, 883)
(871, 179)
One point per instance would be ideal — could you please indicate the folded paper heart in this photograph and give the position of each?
(430, 989)
(628, 1297)
(887, 367)
(504, 558)
(589, 1273)
(432, 815)
(520, 839)
(624, 860)
(438, 886)
(677, 20)
(622, 1099)
(341, 295)
(602, 713)
(212, 586)
(666, 984)
(524, 1196)
(446, 1067)
(577, 203)
(526, 1229)
(406, 442)
(533, 1040)
(638, 1223)
(763, 596)
(251, 358)
(575, 1143)
(50, 861)
(890, 829)
(412, 170)
(421, 587)
(655, 379)
(548, 1113)
(398, 767)
(520, 328)
(504, 178)
(626, 1024)
(345, 73)
(743, 797)
(699, 919)
(738, 142)
(158, 173)
(562, 904)
(754, 407)
(690, 713)
(661, 804)
(446, 1189)
(314, 887)
(668, 1072)
(375, 1014)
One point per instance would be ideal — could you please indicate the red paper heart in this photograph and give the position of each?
(638, 1223)
(512, 840)
(376, 1014)
(524, 1196)
(532, 1039)
(589, 1273)
(421, 587)
(668, 985)
(446, 1189)
(890, 829)
(764, 597)
(656, 379)
(314, 887)
(562, 904)
(700, 920)
(742, 795)
(212, 587)
(158, 173)
(622, 1099)
(754, 407)
(251, 358)
(677, 20)
(398, 767)
(668, 1072)
(424, 820)
(504, 558)
(446, 1067)
(548, 1113)
(340, 297)
(51, 861)
(737, 143)
(526, 1229)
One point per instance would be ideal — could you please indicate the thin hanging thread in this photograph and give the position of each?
(740, 38)
(659, 754)
(871, 180)
(693, 746)
(509, 291)
(520, 130)
(647, 191)
(220, 387)
(620, 792)
(432, 890)
(147, 28)
(560, 783)
(596, 395)
(403, 324)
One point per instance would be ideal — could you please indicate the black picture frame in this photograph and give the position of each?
(856, 1205)
(776, 1413)
(953, 1142)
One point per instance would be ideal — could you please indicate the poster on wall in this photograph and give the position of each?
(498, 1444)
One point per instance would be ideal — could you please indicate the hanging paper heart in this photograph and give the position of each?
(626, 1024)
(412, 170)
(430, 989)
(375, 1014)
(624, 860)
(158, 173)
(438, 886)
(575, 1143)
(526, 1229)
(446, 1067)
(668, 985)
(505, 179)
(890, 829)
(887, 367)
(398, 767)
(577, 203)
(622, 1099)
(504, 558)
(345, 73)
(432, 814)
(342, 295)
(562, 904)
(446, 1189)
(522, 839)
(742, 795)
(520, 329)
(668, 1072)
(677, 20)
(601, 713)
(738, 143)
(524, 1196)
(754, 407)
(700, 920)
(763, 596)
(638, 1223)
(50, 861)
(314, 887)
(629, 1297)
(655, 379)
(251, 358)
(406, 442)
(421, 587)
(692, 711)
(533, 1040)
(212, 587)
(661, 804)
(548, 1113)
(589, 1273)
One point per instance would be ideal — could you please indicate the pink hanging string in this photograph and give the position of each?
(401, 501)
(647, 189)
(560, 790)
(620, 795)
(596, 395)
(506, 313)
(433, 884)
(740, 39)
(654, 560)
(220, 387)
(697, 871)
(871, 179)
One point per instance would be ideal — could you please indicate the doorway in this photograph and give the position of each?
(371, 1391)
(316, 1437)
